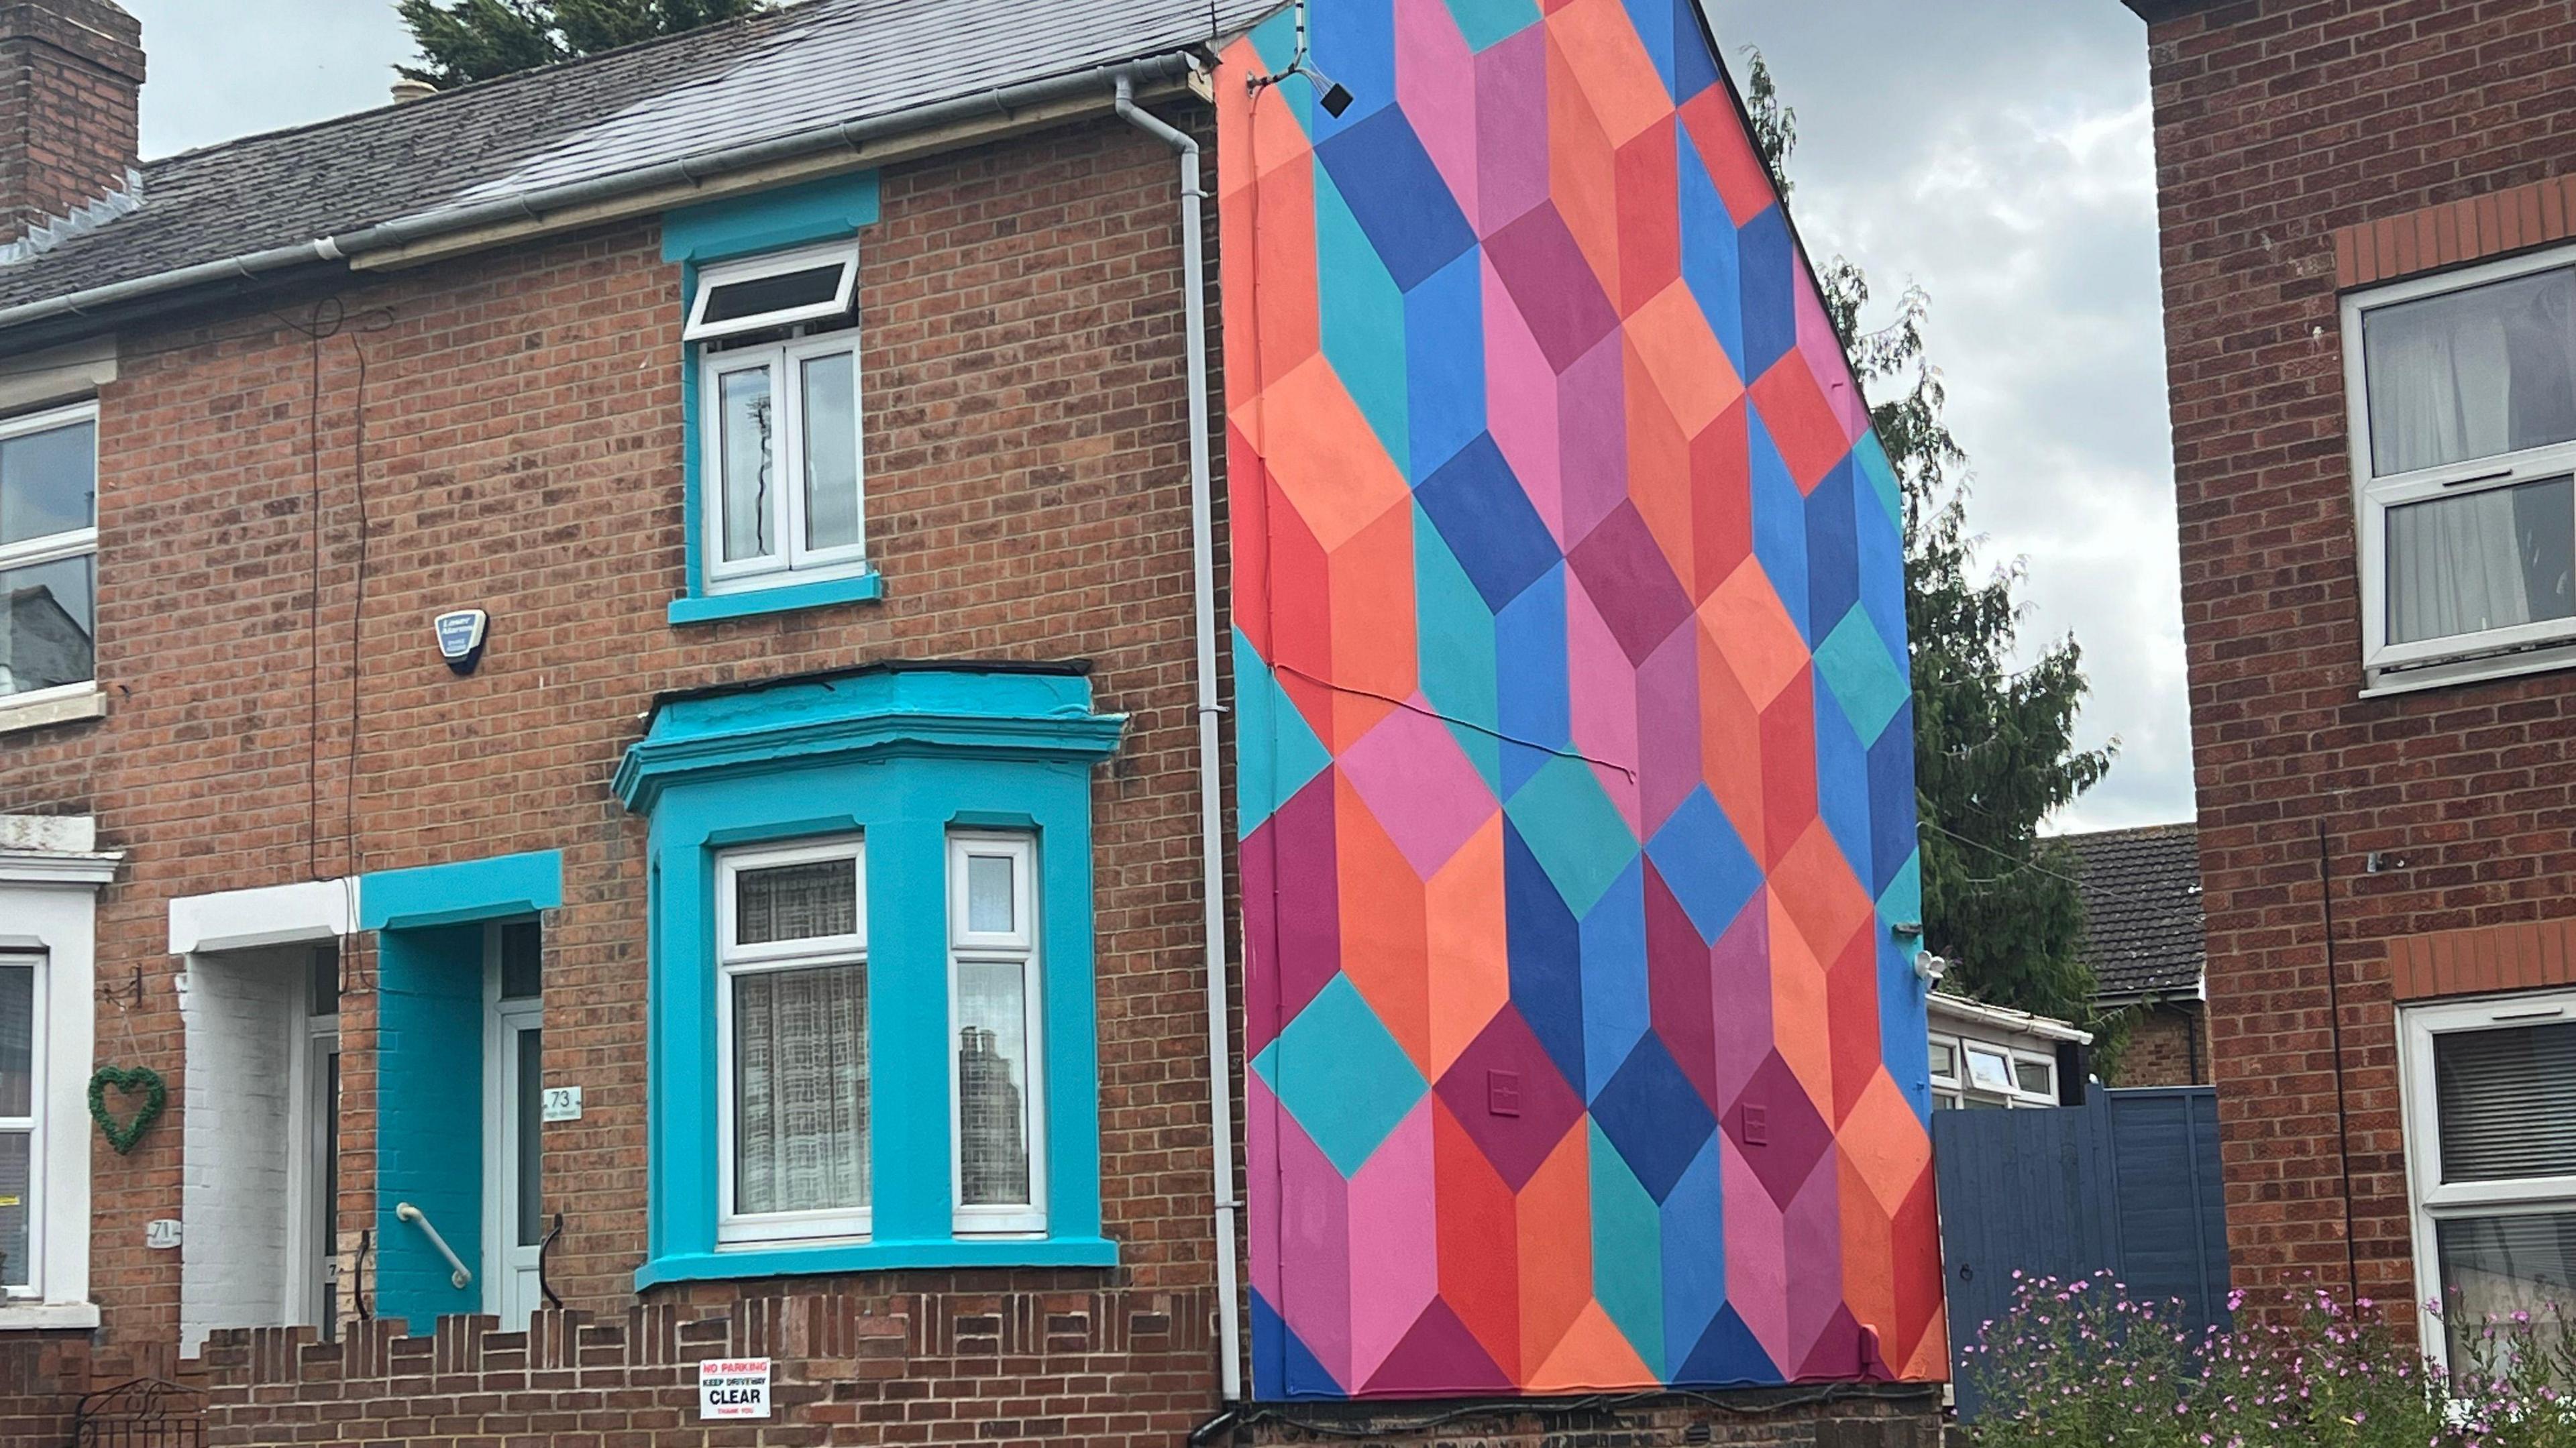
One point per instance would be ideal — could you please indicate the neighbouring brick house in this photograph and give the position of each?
(2142, 936)
(2370, 313)
(621, 695)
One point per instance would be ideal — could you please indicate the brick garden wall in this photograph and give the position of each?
(2277, 124)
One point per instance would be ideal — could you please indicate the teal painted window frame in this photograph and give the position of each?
(699, 236)
(902, 758)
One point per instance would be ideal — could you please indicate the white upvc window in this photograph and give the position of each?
(2489, 1089)
(1946, 1090)
(997, 1112)
(792, 1043)
(48, 553)
(1972, 1073)
(2462, 392)
(22, 1126)
(782, 483)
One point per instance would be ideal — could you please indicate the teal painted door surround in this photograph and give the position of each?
(429, 1065)
(901, 756)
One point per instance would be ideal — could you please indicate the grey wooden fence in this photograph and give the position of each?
(2126, 1183)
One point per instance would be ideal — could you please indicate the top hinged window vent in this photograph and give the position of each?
(773, 291)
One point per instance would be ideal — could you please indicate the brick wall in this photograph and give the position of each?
(71, 73)
(2278, 124)
(235, 1185)
(996, 1367)
(1893, 1417)
(2167, 1046)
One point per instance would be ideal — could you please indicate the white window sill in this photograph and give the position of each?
(48, 1316)
(2381, 684)
(46, 707)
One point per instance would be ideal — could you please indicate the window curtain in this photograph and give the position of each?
(2453, 378)
(801, 1090)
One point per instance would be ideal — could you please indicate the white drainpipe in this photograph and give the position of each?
(1211, 807)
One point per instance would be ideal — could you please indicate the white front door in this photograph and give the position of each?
(514, 1224)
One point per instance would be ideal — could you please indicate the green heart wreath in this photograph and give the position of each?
(129, 1080)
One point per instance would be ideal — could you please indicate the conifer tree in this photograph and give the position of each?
(469, 40)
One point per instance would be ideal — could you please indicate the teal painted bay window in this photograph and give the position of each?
(872, 1028)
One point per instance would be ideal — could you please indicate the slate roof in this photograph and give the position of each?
(2142, 912)
(814, 64)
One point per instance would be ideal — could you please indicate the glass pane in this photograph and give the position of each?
(45, 634)
(2482, 560)
(17, 1039)
(48, 482)
(17, 1199)
(1945, 1059)
(1945, 1101)
(800, 1042)
(1989, 1070)
(2037, 1077)
(732, 301)
(523, 960)
(2494, 1267)
(748, 424)
(992, 1073)
(2471, 374)
(532, 1129)
(990, 906)
(831, 401)
(796, 902)
(322, 984)
(2507, 1102)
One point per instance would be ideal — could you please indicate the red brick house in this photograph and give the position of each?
(617, 726)
(2143, 938)
(2366, 219)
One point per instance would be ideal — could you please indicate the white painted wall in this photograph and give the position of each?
(244, 1013)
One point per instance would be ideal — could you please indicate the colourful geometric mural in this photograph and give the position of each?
(1576, 749)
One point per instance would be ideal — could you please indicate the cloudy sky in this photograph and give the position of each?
(1996, 152)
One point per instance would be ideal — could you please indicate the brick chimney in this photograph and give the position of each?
(71, 84)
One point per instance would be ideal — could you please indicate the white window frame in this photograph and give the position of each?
(771, 1229)
(39, 1178)
(1958, 1088)
(2429, 1199)
(58, 547)
(712, 279)
(1948, 1091)
(1020, 946)
(2492, 653)
(789, 561)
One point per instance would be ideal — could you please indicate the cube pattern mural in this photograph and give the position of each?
(1576, 776)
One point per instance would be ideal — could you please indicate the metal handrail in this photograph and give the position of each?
(405, 1211)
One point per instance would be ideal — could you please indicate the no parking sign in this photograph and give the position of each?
(733, 1388)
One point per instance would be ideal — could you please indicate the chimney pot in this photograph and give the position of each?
(407, 90)
(71, 87)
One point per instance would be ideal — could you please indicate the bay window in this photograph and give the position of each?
(871, 992)
(793, 1036)
(2490, 1095)
(2463, 397)
(48, 553)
